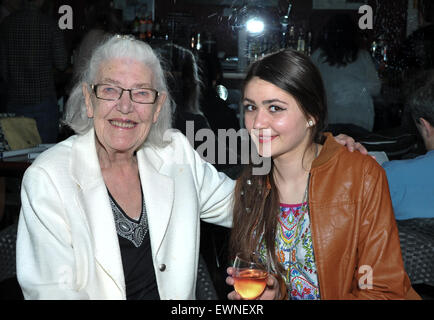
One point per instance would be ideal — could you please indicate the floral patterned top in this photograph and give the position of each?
(295, 252)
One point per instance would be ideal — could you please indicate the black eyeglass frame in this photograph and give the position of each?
(95, 86)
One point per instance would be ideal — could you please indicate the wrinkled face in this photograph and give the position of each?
(274, 120)
(122, 125)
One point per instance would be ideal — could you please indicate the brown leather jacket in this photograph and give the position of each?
(353, 228)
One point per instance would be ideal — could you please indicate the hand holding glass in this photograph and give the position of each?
(250, 276)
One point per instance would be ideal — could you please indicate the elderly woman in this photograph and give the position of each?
(113, 212)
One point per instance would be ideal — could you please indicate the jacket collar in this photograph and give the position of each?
(329, 150)
(84, 165)
(158, 190)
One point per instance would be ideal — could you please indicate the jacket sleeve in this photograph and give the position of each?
(215, 190)
(45, 257)
(380, 273)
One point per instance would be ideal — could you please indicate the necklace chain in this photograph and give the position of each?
(306, 191)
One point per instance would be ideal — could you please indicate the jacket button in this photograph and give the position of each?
(162, 267)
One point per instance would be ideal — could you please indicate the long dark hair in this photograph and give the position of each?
(340, 41)
(184, 80)
(256, 199)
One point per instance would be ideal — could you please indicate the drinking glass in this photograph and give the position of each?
(249, 275)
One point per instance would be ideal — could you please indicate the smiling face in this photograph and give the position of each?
(122, 125)
(274, 120)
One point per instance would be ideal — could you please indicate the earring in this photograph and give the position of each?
(310, 123)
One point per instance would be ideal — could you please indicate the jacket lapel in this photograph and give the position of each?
(158, 190)
(93, 199)
(329, 150)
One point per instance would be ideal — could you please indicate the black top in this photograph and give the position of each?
(136, 253)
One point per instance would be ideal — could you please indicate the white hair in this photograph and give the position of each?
(121, 47)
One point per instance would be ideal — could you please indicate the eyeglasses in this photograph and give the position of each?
(113, 93)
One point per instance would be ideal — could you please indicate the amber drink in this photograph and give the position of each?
(250, 277)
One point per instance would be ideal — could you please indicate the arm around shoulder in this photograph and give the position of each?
(215, 189)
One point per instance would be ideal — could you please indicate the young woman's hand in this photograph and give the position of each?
(271, 292)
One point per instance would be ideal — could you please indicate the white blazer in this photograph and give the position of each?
(67, 246)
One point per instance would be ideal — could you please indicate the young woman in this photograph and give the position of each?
(323, 221)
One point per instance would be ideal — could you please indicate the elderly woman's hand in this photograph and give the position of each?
(271, 292)
(350, 143)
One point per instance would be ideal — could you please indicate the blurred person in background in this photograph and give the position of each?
(417, 51)
(101, 23)
(411, 181)
(349, 74)
(185, 85)
(32, 45)
(217, 111)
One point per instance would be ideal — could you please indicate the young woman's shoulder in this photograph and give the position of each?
(335, 155)
(359, 162)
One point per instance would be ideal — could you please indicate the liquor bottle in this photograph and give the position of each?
(198, 42)
(373, 49)
(284, 32)
(149, 24)
(136, 26)
(156, 28)
(193, 41)
(162, 28)
(168, 29)
(385, 56)
(301, 43)
(142, 28)
(208, 43)
(309, 44)
(292, 43)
